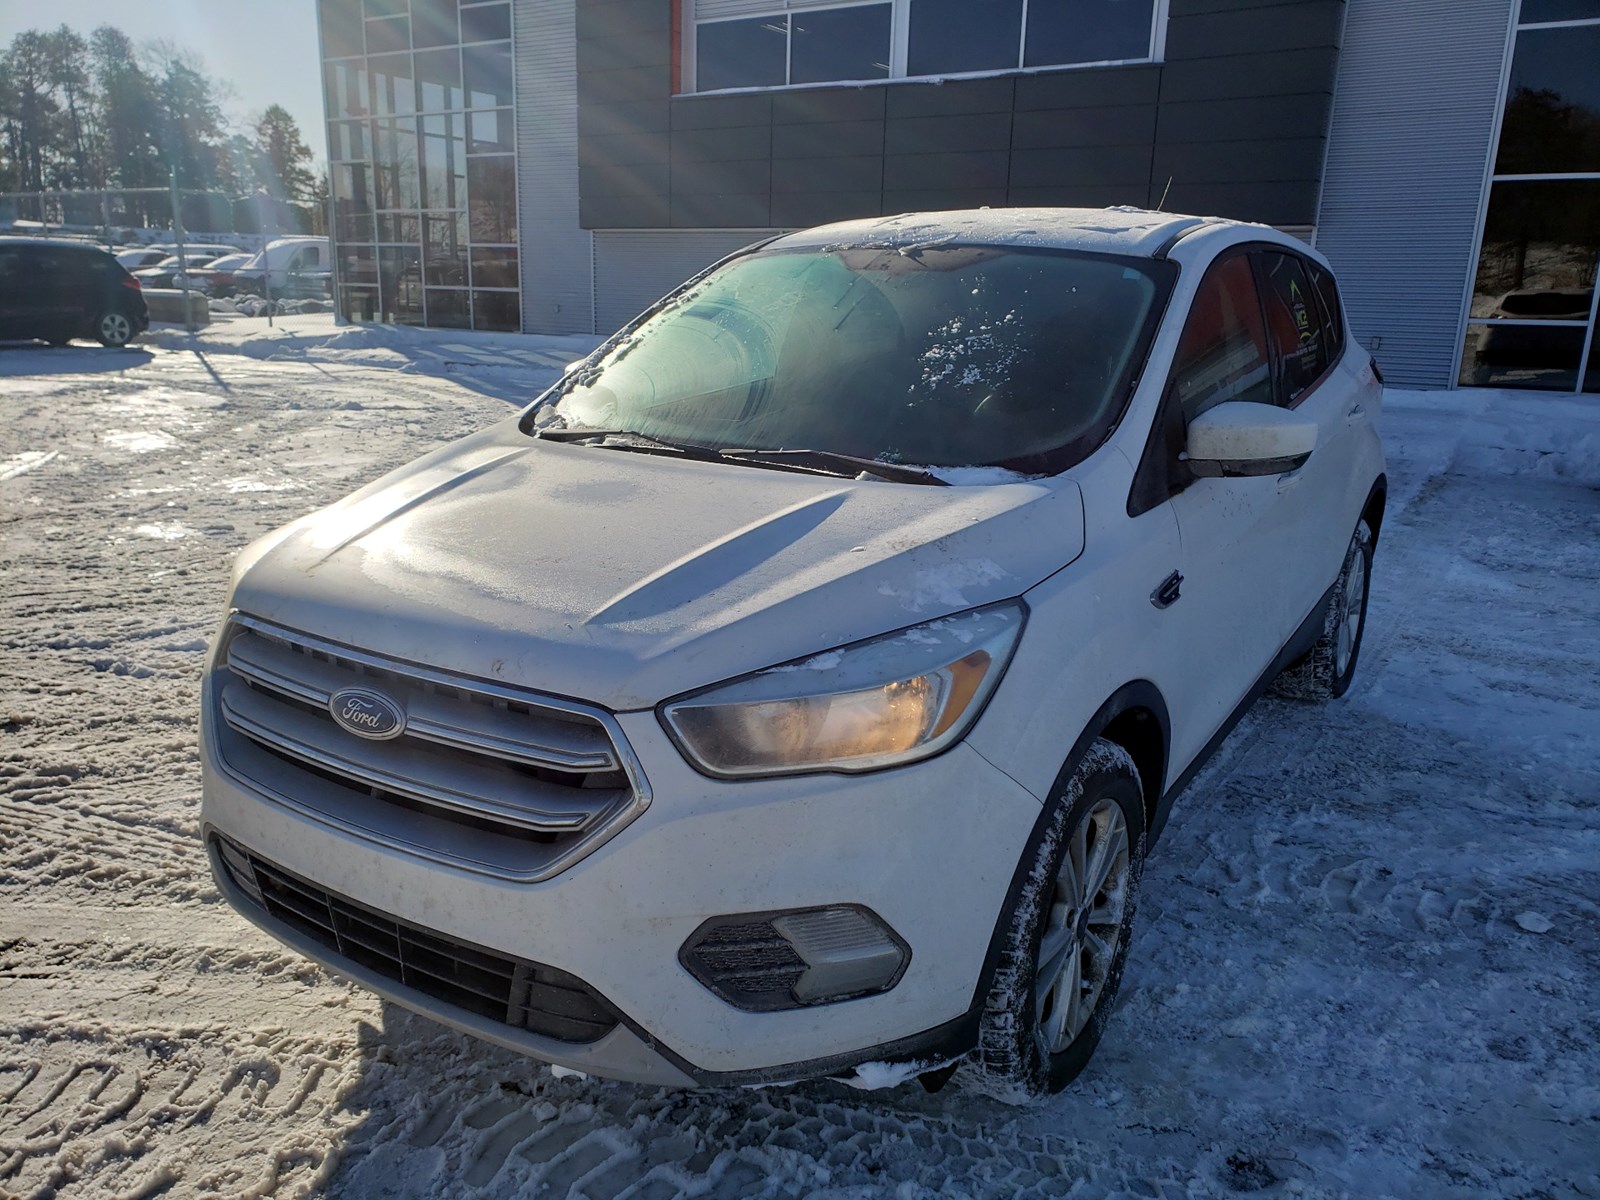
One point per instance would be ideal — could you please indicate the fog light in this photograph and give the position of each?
(763, 962)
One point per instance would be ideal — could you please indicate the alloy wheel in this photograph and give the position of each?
(1351, 606)
(115, 329)
(1083, 926)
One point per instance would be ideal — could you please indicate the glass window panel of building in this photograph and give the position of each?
(434, 23)
(1534, 11)
(485, 22)
(854, 40)
(421, 140)
(839, 43)
(1531, 322)
(950, 36)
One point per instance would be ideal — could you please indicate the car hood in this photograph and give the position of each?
(624, 579)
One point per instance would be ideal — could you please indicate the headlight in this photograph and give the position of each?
(878, 703)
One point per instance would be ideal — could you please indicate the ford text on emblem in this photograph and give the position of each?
(367, 714)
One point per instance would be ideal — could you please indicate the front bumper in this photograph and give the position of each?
(931, 848)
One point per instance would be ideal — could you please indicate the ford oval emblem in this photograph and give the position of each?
(367, 713)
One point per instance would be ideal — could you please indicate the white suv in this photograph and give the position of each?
(801, 682)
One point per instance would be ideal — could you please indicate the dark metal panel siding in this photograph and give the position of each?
(1239, 73)
(1419, 83)
(623, 82)
(556, 293)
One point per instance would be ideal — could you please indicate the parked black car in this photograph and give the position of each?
(166, 273)
(57, 291)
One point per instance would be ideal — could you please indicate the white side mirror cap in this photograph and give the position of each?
(1240, 437)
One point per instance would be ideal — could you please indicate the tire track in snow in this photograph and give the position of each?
(88, 1110)
(498, 1128)
(142, 1043)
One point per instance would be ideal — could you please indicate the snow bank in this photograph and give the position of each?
(1501, 432)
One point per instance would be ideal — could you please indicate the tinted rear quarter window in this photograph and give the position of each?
(1295, 319)
(1332, 312)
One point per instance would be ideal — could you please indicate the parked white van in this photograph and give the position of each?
(802, 680)
(296, 267)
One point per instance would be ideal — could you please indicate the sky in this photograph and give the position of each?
(264, 50)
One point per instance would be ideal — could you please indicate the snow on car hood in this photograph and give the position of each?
(625, 578)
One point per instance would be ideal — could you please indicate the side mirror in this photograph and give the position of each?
(1240, 437)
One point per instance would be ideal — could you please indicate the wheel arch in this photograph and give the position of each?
(1135, 717)
(1377, 500)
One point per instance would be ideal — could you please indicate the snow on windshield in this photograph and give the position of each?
(946, 355)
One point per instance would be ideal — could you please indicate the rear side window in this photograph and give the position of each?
(1223, 353)
(58, 264)
(1295, 319)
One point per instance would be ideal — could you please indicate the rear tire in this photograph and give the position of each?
(1325, 673)
(1066, 941)
(113, 328)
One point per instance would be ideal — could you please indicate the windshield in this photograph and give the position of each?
(943, 356)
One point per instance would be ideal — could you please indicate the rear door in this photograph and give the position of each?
(62, 285)
(1313, 382)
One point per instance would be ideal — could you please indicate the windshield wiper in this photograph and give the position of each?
(851, 464)
(809, 462)
(627, 439)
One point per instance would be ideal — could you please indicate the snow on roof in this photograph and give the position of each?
(1118, 230)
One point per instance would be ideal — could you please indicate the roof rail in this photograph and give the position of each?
(1196, 223)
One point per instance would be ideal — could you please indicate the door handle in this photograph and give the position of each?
(1166, 595)
(1356, 413)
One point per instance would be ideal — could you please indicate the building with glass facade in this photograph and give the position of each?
(555, 165)
(420, 144)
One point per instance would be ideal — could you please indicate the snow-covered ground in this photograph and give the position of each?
(1367, 963)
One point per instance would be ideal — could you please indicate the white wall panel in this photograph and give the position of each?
(1413, 117)
(557, 295)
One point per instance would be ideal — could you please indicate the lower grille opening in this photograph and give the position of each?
(522, 994)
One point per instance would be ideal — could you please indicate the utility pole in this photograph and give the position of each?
(177, 233)
(268, 222)
(177, 214)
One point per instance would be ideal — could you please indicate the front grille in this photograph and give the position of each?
(522, 994)
(486, 776)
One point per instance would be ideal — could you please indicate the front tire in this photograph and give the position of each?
(113, 328)
(1326, 672)
(1066, 941)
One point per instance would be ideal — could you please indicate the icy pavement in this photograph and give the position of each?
(1367, 962)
